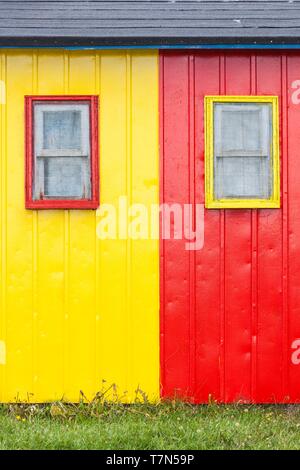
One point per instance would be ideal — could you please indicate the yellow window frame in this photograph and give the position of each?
(210, 201)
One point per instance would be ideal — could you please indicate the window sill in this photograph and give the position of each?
(243, 204)
(62, 204)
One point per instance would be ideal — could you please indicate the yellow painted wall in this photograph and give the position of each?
(76, 310)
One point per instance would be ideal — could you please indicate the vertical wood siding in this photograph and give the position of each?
(230, 311)
(76, 310)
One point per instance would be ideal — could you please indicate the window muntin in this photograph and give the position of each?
(242, 152)
(62, 151)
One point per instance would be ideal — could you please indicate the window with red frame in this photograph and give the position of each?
(62, 152)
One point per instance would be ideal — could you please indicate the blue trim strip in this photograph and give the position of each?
(197, 46)
(163, 47)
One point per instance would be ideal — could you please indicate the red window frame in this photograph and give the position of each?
(93, 201)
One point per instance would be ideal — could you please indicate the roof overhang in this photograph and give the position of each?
(148, 42)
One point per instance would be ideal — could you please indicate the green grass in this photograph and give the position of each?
(145, 426)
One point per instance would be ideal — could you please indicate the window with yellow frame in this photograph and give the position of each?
(241, 152)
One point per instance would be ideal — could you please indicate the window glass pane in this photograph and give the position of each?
(62, 130)
(242, 149)
(240, 130)
(65, 177)
(242, 177)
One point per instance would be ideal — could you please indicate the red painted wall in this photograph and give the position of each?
(230, 311)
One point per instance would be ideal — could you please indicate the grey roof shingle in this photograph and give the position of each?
(157, 22)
